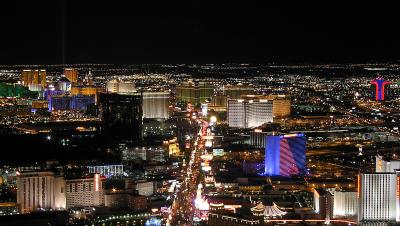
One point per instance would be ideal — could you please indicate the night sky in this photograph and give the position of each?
(71, 31)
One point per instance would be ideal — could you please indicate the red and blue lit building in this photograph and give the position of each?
(285, 155)
(379, 92)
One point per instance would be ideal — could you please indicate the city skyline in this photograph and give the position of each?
(199, 113)
(199, 144)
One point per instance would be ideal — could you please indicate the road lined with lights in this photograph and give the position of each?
(182, 210)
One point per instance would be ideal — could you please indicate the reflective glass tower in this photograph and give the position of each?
(122, 115)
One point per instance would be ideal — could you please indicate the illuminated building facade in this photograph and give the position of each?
(86, 90)
(258, 113)
(281, 105)
(323, 204)
(194, 93)
(186, 92)
(218, 103)
(108, 170)
(85, 192)
(115, 86)
(37, 77)
(122, 115)
(156, 105)
(379, 88)
(257, 138)
(67, 102)
(88, 80)
(285, 155)
(64, 84)
(172, 146)
(71, 74)
(40, 104)
(383, 165)
(134, 153)
(112, 86)
(248, 113)
(379, 192)
(237, 113)
(378, 195)
(49, 94)
(40, 190)
(155, 154)
(205, 91)
(35, 87)
(219, 100)
(145, 188)
(126, 87)
(345, 204)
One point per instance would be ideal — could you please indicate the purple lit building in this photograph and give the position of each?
(285, 155)
(379, 91)
(81, 102)
(61, 102)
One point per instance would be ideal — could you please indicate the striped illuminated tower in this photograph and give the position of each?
(285, 155)
(379, 91)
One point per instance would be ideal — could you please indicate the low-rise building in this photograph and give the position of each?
(226, 218)
(145, 188)
(125, 200)
(8, 208)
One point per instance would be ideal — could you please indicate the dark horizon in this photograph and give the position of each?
(72, 32)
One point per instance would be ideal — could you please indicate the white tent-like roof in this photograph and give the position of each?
(273, 211)
(268, 211)
(258, 208)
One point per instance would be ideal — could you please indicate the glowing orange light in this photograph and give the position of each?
(380, 164)
(358, 186)
(96, 182)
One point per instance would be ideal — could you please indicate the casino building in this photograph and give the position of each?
(379, 88)
(285, 155)
(379, 193)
